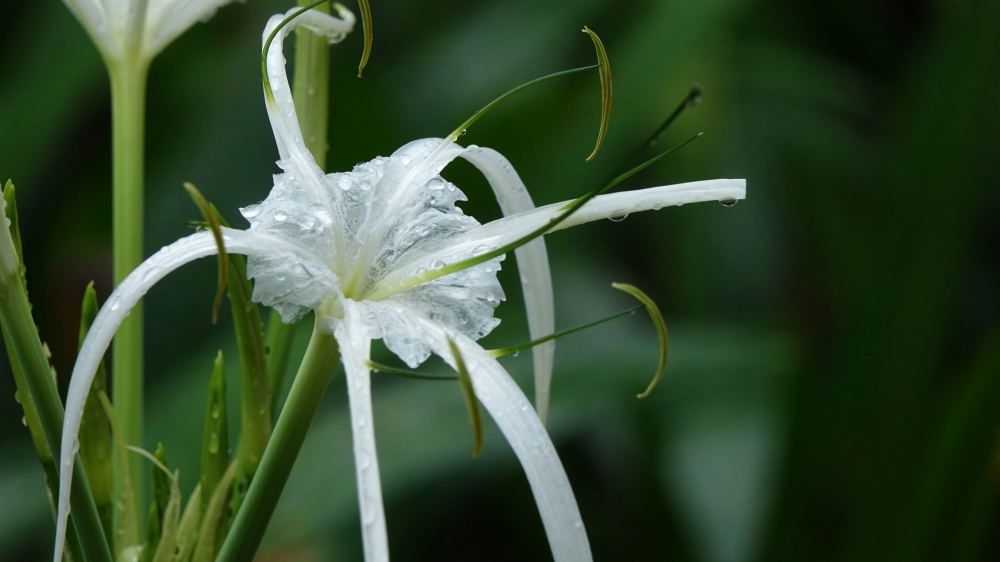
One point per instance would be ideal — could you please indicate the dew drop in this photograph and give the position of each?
(438, 264)
(406, 160)
(728, 202)
(280, 216)
(344, 182)
(515, 354)
(435, 184)
(250, 211)
(463, 132)
(24, 421)
(619, 218)
(215, 411)
(213, 443)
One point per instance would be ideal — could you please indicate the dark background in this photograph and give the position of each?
(833, 390)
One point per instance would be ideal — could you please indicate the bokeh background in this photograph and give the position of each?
(833, 388)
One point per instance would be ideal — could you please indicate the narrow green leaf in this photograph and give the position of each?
(380, 368)
(523, 347)
(213, 224)
(95, 435)
(215, 443)
(161, 498)
(661, 331)
(37, 391)
(187, 529)
(605, 72)
(471, 402)
(255, 396)
(127, 529)
(167, 549)
(215, 514)
(366, 22)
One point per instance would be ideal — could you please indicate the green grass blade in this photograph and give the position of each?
(471, 402)
(95, 435)
(126, 516)
(215, 443)
(213, 224)
(187, 528)
(661, 331)
(214, 517)
(161, 500)
(605, 72)
(26, 350)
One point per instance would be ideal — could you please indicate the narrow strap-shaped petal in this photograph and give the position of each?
(519, 423)
(114, 311)
(355, 348)
(532, 264)
(281, 108)
(510, 229)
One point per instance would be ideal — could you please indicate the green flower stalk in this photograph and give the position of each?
(129, 34)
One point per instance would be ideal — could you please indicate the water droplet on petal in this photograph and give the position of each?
(250, 211)
(344, 182)
(280, 216)
(728, 202)
(619, 218)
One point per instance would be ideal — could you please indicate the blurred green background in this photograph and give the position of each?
(833, 389)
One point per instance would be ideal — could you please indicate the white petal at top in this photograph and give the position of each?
(139, 29)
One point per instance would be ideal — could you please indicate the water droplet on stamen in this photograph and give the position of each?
(463, 132)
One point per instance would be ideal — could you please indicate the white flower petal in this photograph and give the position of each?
(509, 229)
(95, 19)
(284, 121)
(355, 347)
(532, 263)
(168, 19)
(114, 311)
(519, 423)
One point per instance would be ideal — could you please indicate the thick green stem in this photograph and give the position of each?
(128, 101)
(311, 93)
(303, 401)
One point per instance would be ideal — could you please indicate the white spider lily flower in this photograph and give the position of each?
(339, 243)
(139, 28)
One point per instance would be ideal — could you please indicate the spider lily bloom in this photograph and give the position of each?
(353, 247)
(139, 29)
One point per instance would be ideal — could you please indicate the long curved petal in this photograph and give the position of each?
(114, 311)
(519, 423)
(97, 22)
(355, 348)
(510, 229)
(280, 107)
(532, 264)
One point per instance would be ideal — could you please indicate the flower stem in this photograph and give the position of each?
(128, 100)
(311, 94)
(303, 401)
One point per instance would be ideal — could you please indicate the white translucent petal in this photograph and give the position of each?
(168, 19)
(284, 121)
(97, 22)
(110, 317)
(355, 347)
(532, 264)
(509, 229)
(519, 423)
